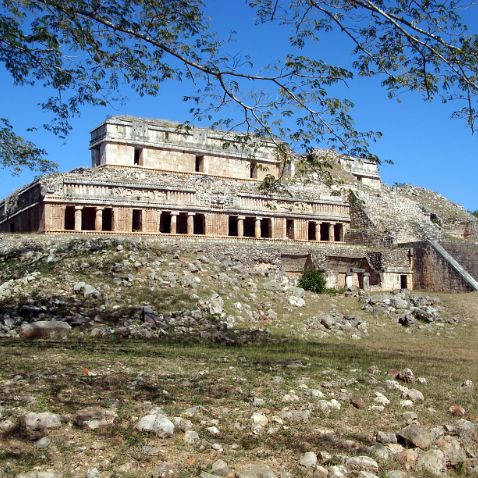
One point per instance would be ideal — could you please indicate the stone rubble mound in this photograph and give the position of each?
(406, 308)
(337, 324)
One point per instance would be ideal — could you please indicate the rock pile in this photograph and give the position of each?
(407, 308)
(337, 324)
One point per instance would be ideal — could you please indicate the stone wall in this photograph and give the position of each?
(465, 253)
(28, 219)
(167, 146)
(432, 272)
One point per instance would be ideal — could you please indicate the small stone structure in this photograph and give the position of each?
(156, 178)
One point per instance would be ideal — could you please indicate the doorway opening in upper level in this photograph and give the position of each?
(138, 156)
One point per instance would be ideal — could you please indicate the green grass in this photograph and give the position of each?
(135, 375)
(179, 375)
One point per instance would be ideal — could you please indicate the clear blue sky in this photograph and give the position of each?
(427, 147)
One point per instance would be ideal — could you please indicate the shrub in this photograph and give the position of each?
(313, 281)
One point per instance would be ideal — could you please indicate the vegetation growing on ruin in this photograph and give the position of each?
(313, 281)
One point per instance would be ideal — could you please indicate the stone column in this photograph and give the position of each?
(331, 232)
(78, 217)
(240, 226)
(366, 281)
(113, 219)
(349, 280)
(191, 223)
(174, 217)
(345, 230)
(99, 219)
(317, 231)
(257, 228)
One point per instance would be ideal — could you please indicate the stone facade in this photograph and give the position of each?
(155, 178)
(151, 177)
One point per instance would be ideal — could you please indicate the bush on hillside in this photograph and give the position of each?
(313, 281)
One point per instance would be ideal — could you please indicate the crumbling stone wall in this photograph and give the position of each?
(452, 218)
(362, 229)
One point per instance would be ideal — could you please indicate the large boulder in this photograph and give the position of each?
(416, 435)
(45, 329)
(41, 421)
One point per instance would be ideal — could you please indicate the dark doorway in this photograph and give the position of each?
(403, 281)
(311, 231)
(199, 224)
(182, 223)
(165, 223)
(199, 167)
(233, 226)
(138, 156)
(12, 226)
(266, 228)
(289, 227)
(88, 216)
(338, 232)
(69, 218)
(360, 279)
(324, 231)
(137, 225)
(107, 219)
(253, 170)
(249, 226)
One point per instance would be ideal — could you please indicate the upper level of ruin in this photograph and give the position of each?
(167, 146)
(171, 147)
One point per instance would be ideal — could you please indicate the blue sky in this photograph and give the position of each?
(427, 147)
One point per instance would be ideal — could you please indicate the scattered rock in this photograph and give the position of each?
(41, 421)
(45, 329)
(191, 437)
(416, 435)
(358, 463)
(413, 395)
(156, 422)
(255, 470)
(432, 461)
(308, 460)
(258, 423)
(386, 437)
(220, 468)
(457, 410)
(94, 417)
(165, 470)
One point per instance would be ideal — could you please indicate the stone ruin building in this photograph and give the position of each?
(154, 178)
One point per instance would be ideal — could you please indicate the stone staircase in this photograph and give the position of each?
(465, 252)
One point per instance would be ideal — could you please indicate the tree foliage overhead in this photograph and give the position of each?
(84, 51)
(17, 153)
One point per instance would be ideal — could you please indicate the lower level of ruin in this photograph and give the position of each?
(87, 218)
